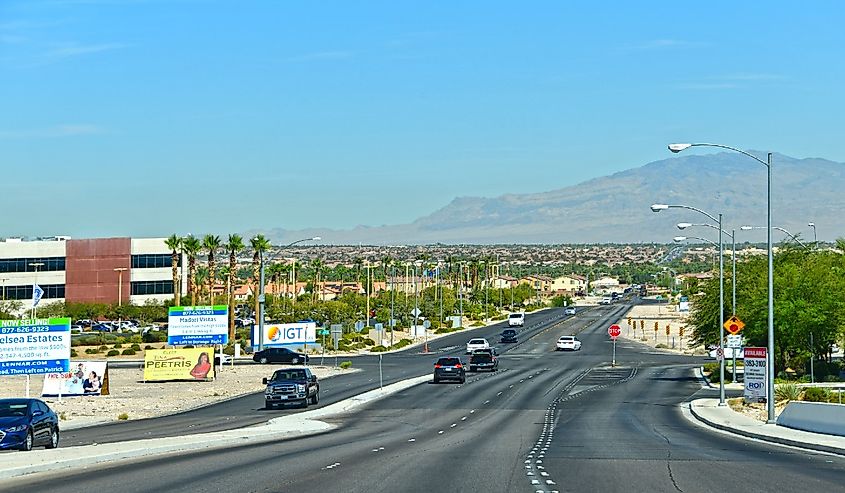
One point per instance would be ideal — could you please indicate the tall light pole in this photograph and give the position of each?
(293, 266)
(815, 237)
(770, 353)
(36, 265)
(3, 286)
(120, 271)
(782, 230)
(661, 207)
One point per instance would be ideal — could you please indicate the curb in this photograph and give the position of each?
(766, 438)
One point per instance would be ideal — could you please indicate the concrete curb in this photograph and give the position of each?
(281, 428)
(762, 436)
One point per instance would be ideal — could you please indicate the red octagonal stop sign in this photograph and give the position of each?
(614, 331)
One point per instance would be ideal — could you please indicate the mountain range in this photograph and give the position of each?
(616, 208)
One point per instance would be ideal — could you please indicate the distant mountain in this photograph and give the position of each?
(616, 208)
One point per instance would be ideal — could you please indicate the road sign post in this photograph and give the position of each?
(613, 331)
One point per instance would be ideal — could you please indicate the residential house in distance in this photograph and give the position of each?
(606, 285)
(504, 282)
(569, 285)
(540, 283)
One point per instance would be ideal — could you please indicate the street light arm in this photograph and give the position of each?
(712, 226)
(787, 233)
(682, 238)
(680, 147)
(681, 206)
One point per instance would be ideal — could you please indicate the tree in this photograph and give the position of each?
(317, 265)
(174, 243)
(191, 247)
(211, 243)
(259, 245)
(234, 245)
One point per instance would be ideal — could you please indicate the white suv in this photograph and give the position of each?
(516, 320)
(475, 344)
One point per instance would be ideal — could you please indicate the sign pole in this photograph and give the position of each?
(614, 353)
(27, 385)
(380, 376)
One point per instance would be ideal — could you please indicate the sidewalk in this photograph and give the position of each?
(724, 418)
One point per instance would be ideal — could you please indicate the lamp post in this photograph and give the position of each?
(815, 237)
(770, 353)
(782, 230)
(36, 265)
(120, 271)
(293, 266)
(3, 286)
(660, 207)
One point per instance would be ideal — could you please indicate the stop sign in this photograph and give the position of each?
(614, 331)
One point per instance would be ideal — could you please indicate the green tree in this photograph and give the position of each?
(211, 243)
(260, 245)
(234, 245)
(191, 247)
(174, 243)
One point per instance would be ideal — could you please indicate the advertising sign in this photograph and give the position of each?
(197, 325)
(161, 365)
(281, 334)
(755, 374)
(734, 341)
(84, 378)
(36, 346)
(683, 304)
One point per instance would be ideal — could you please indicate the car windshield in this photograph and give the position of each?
(567, 338)
(448, 361)
(10, 409)
(289, 375)
(477, 341)
(516, 315)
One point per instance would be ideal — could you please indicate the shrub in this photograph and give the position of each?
(369, 342)
(816, 394)
(661, 346)
(787, 392)
(136, 347)
(102, 348)
(91, 350)
(147, 347)
(73, 353)
(118, 346)
(345, 364)
(378, 349)
(123, 416)
(128, 352)
(136, 339)
(151, 336)
(113, 352)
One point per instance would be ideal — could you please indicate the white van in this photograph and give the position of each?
(516, 320)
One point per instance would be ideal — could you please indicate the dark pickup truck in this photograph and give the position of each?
(483, 359)
(297, 385)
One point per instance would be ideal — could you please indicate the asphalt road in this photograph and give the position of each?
(546, 421)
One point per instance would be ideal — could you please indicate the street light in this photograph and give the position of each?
(782, 230)
(815, 237)
(661, 207)
(36, 265)
(293, 265)
(119, 271)
(770, 353)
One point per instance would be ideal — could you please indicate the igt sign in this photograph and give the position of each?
(756, 375)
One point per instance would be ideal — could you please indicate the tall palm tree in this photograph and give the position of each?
(234, 245)
(386, 262)
(317, 265)
(191, 247)
(211, 243)
(259, 245)
(174, 243)
(359, 263)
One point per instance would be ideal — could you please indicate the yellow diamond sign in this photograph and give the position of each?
(734, 325)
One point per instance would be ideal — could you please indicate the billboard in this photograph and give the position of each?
(84, 378)
(683, 304)
(161, 365)
(281, 334)
(756, 374)
(197, 325)
(34, 346)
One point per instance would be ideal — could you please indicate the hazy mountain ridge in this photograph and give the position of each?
(615, 208)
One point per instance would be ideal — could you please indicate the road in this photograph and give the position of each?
(546, 421)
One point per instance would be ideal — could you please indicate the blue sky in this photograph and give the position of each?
(146, 118)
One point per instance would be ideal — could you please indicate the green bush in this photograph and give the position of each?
(128, 352)
(118, 346)
(378, 349)
(151, 336)
(91, 350)
(123, 416)
(113, 352)
(147, 347)
(661, 346)
(816, 394)
(369, 342)
(102, 348)
(136, 347)
(345, 364)
(73, 353)
(136, 339)
(787, 392)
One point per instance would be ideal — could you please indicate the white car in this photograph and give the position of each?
(516, 320)
(568, 343)
(606, 300)
(569, 310)
(478, 343)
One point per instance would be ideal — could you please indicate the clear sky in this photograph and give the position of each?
(146, 118)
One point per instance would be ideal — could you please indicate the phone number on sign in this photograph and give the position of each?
(25, 330)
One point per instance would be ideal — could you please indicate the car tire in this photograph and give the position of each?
(28, 442)
(54, 437)
(305, 403)
(436, 380)
(268, 405)
(315, 399)
(463, 380)
(294, 361)
(263, 361)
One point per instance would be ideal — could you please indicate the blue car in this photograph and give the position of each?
(27, 423)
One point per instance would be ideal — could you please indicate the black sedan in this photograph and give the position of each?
(279, 355)
(27, 423)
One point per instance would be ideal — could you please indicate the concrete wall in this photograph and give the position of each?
(817, 417)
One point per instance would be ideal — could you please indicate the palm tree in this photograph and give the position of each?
(211, 243)
(174, 243)
(259, 245)
(192, 246)
(233, 246)
(359, 263)
(317, 265)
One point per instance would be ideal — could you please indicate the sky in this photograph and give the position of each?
(153, 117)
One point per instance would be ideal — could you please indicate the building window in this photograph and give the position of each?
(152, 287)
(25, 264)
(51, 291)
(154, 261)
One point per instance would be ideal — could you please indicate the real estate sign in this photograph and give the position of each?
(161, 365)
(197, 325)
(84, 378)
(756, 375)
(281, 334)
(34, 346)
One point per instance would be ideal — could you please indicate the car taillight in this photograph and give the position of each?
(458, 366)
(438, 366)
